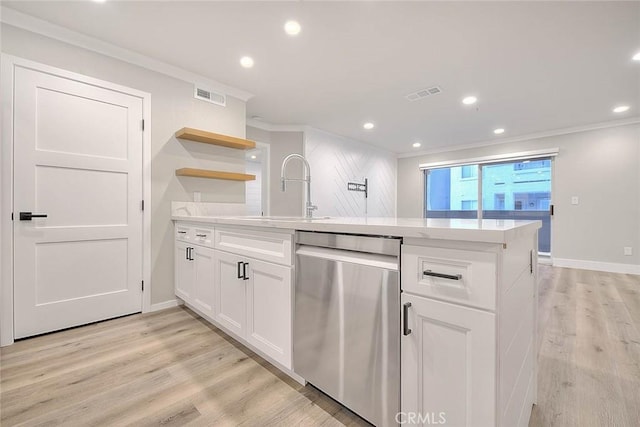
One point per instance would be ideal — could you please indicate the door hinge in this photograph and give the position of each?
(143, 124)
(142, 205)
(143, 285)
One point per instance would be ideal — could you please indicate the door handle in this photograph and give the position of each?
(244, 271)
(240, 274)
(26, 216)
(405, 321)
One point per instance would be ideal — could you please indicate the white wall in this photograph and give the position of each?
(172, 107)
(601, 167)
(336, 160)
(281, 144)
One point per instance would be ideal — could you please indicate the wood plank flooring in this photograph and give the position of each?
(173, 368)
(589, 349)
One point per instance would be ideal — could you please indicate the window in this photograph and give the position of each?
(510, 190)
(467, 205)
(468, 171)
(449, 195)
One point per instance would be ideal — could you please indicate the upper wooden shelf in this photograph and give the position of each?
(215, 139)
(211, 174)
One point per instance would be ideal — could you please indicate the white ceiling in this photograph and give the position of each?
(534, 66)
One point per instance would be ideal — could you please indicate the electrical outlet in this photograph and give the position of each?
(628, 250)
(575, 200)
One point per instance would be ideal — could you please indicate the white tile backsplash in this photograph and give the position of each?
(335, 161)
(208, 209)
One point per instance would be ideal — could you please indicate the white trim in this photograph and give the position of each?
(146, 196)
(547, 152)
(527, 137)
(9, 63)
(6, 205)
(163, 305)
(597, 266)
(27, 22)
(266, 171)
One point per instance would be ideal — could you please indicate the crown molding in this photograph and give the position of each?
(35, 25)
(527, 137)
(259, 124)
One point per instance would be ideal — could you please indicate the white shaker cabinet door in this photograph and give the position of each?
(448, 364)
(203, 291)
(230, 292)
(269, 309)
(184, 271)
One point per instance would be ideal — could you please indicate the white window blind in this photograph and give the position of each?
(510, 157)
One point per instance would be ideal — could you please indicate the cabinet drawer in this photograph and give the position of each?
(202, 236)
(262, 245)
(194, 234)
(465, 277)
(183, 233)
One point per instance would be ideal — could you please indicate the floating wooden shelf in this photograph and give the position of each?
(215, 139)
(204, 173)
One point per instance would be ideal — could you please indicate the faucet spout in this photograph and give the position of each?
(309, 207)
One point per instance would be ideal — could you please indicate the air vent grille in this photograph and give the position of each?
(423, 93)
(209, 96)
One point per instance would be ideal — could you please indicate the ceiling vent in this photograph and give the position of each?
(209, 95)
(423, 93)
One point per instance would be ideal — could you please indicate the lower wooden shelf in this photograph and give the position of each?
(211, 174)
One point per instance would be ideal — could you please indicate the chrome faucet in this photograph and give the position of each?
(309, 207)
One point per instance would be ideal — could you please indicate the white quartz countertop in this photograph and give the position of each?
(486, 230)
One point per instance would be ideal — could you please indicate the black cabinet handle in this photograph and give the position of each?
(405, 322)
(442, 275)
(240, 274)
(186, 253)
(244, 271)
(26, 216)
(190, 258)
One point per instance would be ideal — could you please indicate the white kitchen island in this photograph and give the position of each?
(470, 357)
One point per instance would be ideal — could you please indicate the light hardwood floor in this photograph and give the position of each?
(173, 368)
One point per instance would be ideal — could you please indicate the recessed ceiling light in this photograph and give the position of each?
(498, 131)
(368, 126)
(621, 109)
(99, 1)
(253, 156)
(416, 145)
(469, 100)
(246, 61)
(636, 57)
(292, 28)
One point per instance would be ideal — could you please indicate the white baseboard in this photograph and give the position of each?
(610, 267)
(163, 305)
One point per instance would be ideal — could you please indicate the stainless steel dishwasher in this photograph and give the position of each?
(346, 333)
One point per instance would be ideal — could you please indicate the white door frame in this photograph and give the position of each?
(8, 63)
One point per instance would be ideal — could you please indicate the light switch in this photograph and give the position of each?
(575, 200)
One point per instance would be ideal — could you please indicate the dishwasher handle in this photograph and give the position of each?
(338, 255)
(405, 319)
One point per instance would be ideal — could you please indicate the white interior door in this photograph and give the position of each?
(77, 159)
